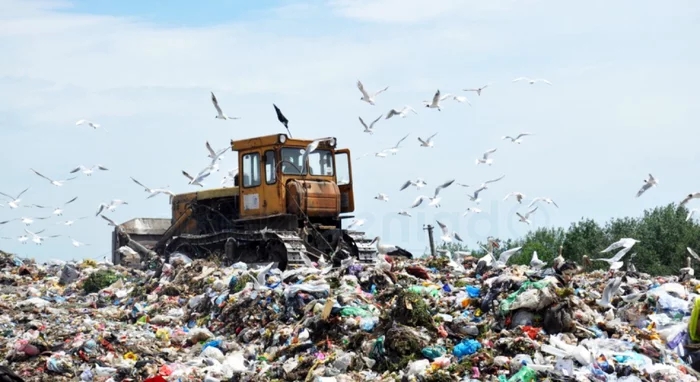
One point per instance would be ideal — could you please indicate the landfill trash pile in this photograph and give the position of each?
(431, 319)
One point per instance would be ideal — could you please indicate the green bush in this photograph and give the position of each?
(99, 280)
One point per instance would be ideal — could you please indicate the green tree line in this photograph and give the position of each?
(663, 232)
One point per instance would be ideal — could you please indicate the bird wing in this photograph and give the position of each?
(555, 204)
(692, 253)
(401, 140)
(431, 137)
(436, 97)
(216, 103)
(521, 216)
(211, 151)
(21, 193)
(102, 207)
(80, 122)
(620, 254)
(422, 141)
(444, 185)
(380, 91)
(418, 201)
(371, 125)
(110, 221)
(459, 238)
(651, 178)
(494, 180)
(535, 200)
(36, 172)
(531, 212)
(507, 137)
(392, 113)
(405, 185)
(486, 154)
(509, 195)
(30, 232)
(545, 81)
(362, 89)
(477, 191)
(70, 201)
(612, 246)
(522, 135)
(363, 123)
(148, 189)
(645, 187)
(81, 167)
(443, 227)
(520, 79)
(505, 255)
(187, 175)
(445, 96)
(11, 198)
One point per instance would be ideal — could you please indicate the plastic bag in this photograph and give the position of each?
(465, 348)
(525, 375)
(473, 291)
(179, 257)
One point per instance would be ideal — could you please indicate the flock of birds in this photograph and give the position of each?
(215, 156)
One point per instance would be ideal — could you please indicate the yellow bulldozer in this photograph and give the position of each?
(280, 209)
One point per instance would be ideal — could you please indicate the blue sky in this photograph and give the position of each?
(623, 104)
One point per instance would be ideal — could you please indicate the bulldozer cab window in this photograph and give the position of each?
(270, 167)
(342, 168)
(291, 161)
(321, 163)
(251, 170)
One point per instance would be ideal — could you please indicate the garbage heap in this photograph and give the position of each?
(434, 319)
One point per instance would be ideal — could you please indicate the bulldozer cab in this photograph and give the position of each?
(272, 179)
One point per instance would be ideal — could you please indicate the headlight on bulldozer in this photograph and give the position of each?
(282, 138)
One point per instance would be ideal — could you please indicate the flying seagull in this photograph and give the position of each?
(532, 81)
(57, 183)
(109, 221)
(517, 139)
(418, 183)
(58, 211)
(220, 114)
(694, 195)
(369, 129)
(475, 196)
(311, 147)
(76, 243)
(365, 96)
(648, 183)
(609, 292)
(525, 219)
(25, 220)
(89, 170)
(395, 149)
(111, 207)
(428, 142)
(215, 155)
(38, 239)
(196, 181)
(382, 197)
(471, 209)
(14, 200)
(404, 213)
(283, 120)
(437, 98)
(506, 255)
(477, 90)
(155, 191)
(95, 126)
(519, 196)
(485, 159)
(69, 223)
(541, 199)
(446, 236)
(435, 200)
(400, 112)
(622, 243)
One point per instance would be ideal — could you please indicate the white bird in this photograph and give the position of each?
(428, 142)
(215, 155)
(404, 213)
(692, 253)
(95, 126)
(434, 200)
(457, 237)
(76, 243)
(14, 200)
(691, 213)
(69, 223)
(58, 211)
(648, 183)
(111, 207)
(518, 196)
(486, 159)
(542, 199)
(395, 149)
(506, 255)
(610, 290)
(694, 195)
(446, 237)
(89, 170)
(260, 281)
(311, 147)
(437, 98)
(382, 197)
(369, 129)
(381, 154)
(109, 221)
(357, 223)
(462, 99)
(38, 239)
(57, 183)
(196, 181)
(220, 114)
(532, 80)
(365, 96)
(471, 209)
(26, 221)
(418, 183)
(230, 177)
(155, 191)
(525, 219)
(403, 112)
(484, 186)
(536, 263)
(517, 139)
(383, 248)
(622, 243)
(477, 90)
